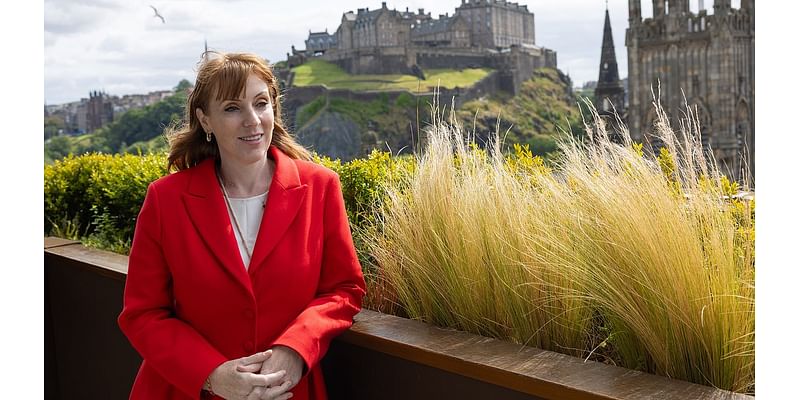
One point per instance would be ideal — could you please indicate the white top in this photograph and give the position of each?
(248, 211)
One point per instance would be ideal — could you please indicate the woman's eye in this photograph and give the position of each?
(262, 104)
(231, 108)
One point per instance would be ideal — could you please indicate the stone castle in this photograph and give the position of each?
(480, 33)
(706, 59)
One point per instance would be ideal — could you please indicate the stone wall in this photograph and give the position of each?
(445, 60)
(372, 61)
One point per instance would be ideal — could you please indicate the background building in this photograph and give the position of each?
(498, 23)
(707, 58)
(99, 110)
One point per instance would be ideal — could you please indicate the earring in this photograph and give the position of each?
(208, 137)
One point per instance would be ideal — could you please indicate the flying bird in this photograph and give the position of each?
(158, 15)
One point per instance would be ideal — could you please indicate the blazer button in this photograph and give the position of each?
(248, 313)
(248, 346)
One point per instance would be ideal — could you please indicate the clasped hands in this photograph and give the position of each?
(267, 375)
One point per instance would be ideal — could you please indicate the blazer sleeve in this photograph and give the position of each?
(167, 344)
(340, 289)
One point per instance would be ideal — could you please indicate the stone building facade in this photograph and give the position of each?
(99, 110)
(381, 28)
(498, 23)
(708, 59)
(320, 42)
(447, 31)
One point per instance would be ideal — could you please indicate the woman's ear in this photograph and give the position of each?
(201, 116)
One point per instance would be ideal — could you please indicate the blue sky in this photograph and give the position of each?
(120, 46)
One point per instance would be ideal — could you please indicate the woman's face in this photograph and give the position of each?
(241, 126)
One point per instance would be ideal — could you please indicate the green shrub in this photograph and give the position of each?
(97, 196)
(405, 100)
(308, 111)
(65, 185)
(364, 180)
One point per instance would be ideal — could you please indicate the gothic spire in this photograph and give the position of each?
(608, 58)
(609, 90)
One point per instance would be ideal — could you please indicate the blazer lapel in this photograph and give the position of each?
(209, 215)
(285, 197)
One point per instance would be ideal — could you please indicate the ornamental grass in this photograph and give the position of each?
(623, 256)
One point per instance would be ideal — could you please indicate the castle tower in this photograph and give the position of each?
(99, 110)
(705, 60)
(609, 93)
(634, 11)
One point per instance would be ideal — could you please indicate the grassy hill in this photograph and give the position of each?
(543, 110)
(319, 72)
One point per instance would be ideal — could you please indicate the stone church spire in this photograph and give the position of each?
(609, 87)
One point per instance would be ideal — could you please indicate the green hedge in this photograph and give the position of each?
(363, 183)
(96, 197)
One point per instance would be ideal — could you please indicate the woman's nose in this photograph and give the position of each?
(251, 117)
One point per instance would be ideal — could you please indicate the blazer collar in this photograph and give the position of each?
(285, 175)
(206, 205)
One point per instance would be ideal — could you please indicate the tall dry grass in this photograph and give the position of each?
(638, 260)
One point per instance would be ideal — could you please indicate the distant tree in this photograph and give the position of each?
(183, 86)
(58, 147)
(52, 125)
(145, 123)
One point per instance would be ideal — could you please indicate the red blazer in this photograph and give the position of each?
(191, 305)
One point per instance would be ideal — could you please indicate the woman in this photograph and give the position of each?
(242, 267)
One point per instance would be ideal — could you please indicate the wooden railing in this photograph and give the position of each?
(380, 357)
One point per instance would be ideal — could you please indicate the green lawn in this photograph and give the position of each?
(319, 72)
